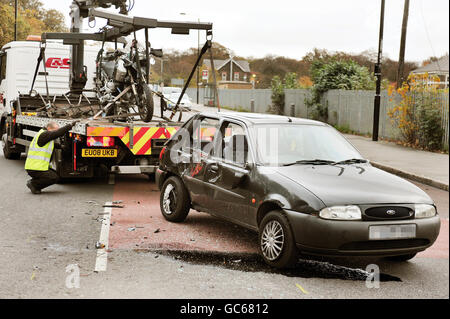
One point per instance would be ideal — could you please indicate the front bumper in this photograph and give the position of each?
(315, 235)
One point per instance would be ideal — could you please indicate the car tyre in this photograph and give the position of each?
(276, 241)
(174, 200)
(7, 152)
(402, 258)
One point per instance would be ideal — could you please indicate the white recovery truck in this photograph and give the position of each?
(63, 83)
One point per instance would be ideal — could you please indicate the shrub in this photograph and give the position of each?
(335, 74)
(278, 95)
(417, 113)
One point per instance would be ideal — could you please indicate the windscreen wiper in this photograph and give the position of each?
(352, 161)
(311, 162)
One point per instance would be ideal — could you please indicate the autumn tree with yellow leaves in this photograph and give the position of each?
(33, 19)
(417, 111)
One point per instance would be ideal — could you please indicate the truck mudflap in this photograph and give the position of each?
(139, 140)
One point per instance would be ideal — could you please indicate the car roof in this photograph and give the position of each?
(256, 118)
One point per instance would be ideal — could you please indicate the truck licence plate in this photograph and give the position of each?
(392, 232)
(99, 152)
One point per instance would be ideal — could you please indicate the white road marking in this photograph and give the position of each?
(112, 179)
(102, 254)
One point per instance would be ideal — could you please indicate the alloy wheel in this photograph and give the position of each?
(272, 240)
(169, 199)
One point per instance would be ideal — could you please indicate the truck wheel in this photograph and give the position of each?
(174, 200)
(276, 241)
(146, 106)
(7, 152)
(402, 258)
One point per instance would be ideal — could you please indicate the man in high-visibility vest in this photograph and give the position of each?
(40, 154)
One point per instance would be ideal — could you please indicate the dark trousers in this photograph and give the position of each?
(41, 180)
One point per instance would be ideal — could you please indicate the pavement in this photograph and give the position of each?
(421, 166)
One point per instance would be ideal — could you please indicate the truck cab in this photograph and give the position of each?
(18, 62)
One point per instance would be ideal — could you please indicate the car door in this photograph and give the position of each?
(204, 130)
(227, 174)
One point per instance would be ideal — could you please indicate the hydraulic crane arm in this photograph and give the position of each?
(119, 26)
(122, 25)
(79, 10)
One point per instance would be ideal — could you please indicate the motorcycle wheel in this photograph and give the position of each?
(146, 106)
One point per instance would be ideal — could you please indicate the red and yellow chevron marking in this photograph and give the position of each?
(207, 133)
(107, 131)
(142, 136)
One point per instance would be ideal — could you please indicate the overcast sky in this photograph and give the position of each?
(294, 27)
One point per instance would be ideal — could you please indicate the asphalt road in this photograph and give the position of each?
(41, 235)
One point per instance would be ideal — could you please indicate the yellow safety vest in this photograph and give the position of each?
(38, 158)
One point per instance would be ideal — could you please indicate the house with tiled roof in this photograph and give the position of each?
(233, 74)
(438, 69)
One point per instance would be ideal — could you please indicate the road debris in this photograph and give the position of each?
(113, 206)
(157, 231)
(99, 245)
(93, 202)
(302, 289)
(132, 229)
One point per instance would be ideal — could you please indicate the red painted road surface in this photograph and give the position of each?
(140, 225)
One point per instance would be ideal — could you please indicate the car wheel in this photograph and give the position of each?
(276, 241)
(402, 258)
(174, 200)
(7, 152)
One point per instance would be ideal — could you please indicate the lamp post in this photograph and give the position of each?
(376, 115)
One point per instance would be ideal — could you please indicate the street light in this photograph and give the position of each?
(198, 54)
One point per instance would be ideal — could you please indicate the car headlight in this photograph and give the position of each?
(425, 211)
(341, 213)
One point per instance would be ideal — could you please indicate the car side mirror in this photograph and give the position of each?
(248, 166)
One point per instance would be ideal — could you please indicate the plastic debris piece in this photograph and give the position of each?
(113, 206)
(99, 245)
(132, 229)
